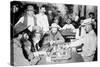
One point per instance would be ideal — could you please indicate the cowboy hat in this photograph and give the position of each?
(19, 28)
(30, 8)
(54, 25)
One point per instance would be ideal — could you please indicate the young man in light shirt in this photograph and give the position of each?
(90, 44)
(28, 19)
(42, 20)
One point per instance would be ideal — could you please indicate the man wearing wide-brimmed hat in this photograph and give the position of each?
(54, 36)
(28, 19)
(90, 44)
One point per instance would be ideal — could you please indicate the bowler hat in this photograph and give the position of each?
(30, 8)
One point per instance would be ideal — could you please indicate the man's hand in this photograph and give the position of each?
(61, 29)
(31, 56)
(67, 46)
(52, 42)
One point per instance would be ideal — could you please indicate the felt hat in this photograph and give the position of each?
(30, 8)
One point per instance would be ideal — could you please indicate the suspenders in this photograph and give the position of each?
(80, 31)
(26, 18)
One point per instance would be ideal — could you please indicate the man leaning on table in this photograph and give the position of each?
(54, 36)
(89, 42)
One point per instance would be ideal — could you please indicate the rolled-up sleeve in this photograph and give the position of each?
(77, 43)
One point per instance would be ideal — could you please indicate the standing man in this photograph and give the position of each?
(89, 44)
(42, 20)
(28, 20)
(50, 17)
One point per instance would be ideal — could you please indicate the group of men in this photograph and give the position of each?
(31, 20)
(38, 26)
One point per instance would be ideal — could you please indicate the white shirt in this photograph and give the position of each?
(90, 43)
(76, 18)
(68, 26)
(42, 21)
(30, 21)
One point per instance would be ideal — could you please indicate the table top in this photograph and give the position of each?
(75, 58)
(67, 33)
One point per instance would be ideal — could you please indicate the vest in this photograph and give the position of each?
(25, 20)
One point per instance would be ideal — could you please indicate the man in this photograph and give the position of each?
(36, 37)
(26, 45)
(28, 19)
(42, 20)
(89, 44)
(91, 19)
(76, 17)
(54, 36)
(81, 32)
(15, 14)
(50, 17)
(68, 25)
(18, 58)
(60, 19)
(27, 50)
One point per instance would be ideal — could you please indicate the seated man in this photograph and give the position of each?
(18, 58)
(89, 42)
(54, 36)
(27, 46)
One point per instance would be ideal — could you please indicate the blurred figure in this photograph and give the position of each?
(76, 17)
(60, 19)
(91, 19)
(42, 20)
(29, 19)
(15, 11)
(56, 21)
(75, 20)
(91, 15)
(89, 43)
(50, 17)
(36, 37)
(15, 14)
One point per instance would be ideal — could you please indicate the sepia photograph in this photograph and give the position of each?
(43, 33)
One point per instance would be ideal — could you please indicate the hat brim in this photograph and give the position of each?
(29, 10)
(53, 27)
(20, 28)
